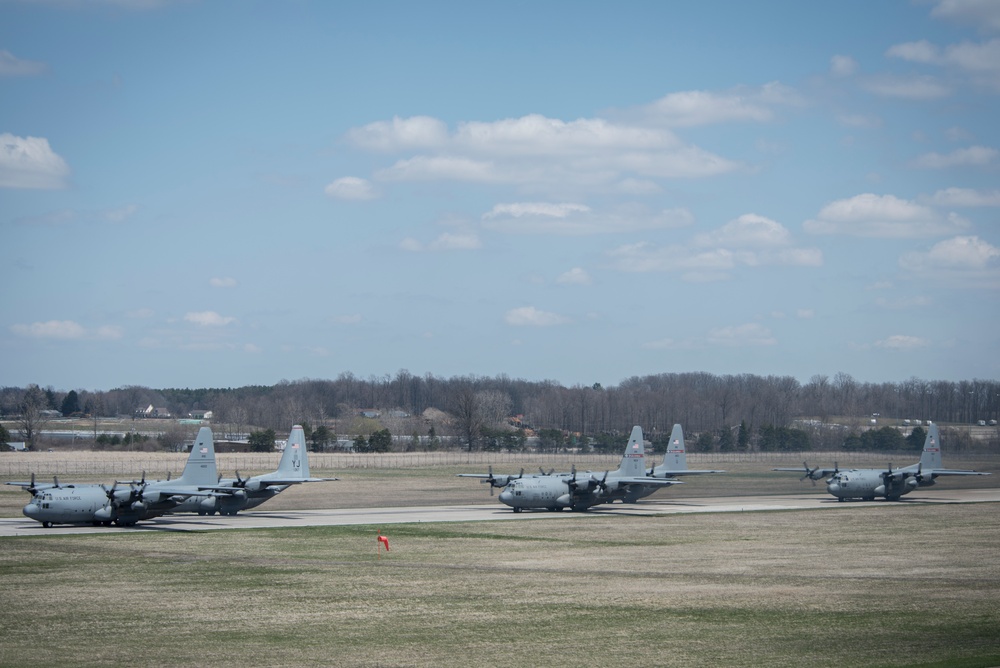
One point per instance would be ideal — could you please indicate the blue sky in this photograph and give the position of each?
(209, 194)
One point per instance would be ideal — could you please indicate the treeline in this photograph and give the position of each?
(745, 408)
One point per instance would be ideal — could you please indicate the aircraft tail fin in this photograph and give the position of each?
(200, 468)
(634, 460)
(675, 458)
(930, 458)
(294, 461)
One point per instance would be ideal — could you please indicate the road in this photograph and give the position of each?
(476, 513)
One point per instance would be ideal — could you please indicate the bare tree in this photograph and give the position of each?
(31, 418)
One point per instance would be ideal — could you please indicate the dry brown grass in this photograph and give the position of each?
(406, 480)
(872, 584)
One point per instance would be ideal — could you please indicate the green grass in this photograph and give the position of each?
(876, 585)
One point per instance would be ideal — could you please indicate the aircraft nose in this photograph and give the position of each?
(506, 498)
(31, 510)
(833, 487)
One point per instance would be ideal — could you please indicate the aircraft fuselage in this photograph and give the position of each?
(869, 484)
(549, 492)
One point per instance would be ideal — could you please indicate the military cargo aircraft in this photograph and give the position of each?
(578, 491)
(674, 464)
(101, 505)
(867, 484)
(228, 496)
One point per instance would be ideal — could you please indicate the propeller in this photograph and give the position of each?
(603, 482)
(887, 478)
(810, 473)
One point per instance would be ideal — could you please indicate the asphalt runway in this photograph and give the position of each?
(261, 519)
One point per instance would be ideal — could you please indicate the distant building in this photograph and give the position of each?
(152, 411)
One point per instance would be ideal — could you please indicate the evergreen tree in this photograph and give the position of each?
(262, 441)
(70, 404)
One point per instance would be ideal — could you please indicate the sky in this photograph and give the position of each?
(221, 193)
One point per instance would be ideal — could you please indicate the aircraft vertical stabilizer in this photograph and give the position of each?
(294, 462)
(200, 468)
(676, 457)
(634, 460)
(930, 458)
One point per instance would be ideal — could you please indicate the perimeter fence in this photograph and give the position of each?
(156, 464)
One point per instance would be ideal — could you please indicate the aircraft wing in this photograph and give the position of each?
(651, 482)
(32, 484)
(815, 474)
(668, 472)
(179, 491)
(292, 481)
(949, 472)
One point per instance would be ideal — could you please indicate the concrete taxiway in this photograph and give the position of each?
(475, 513)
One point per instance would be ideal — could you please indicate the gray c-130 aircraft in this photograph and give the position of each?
(867, 484)
(101, 505)
(228, 496)
(674, 464)
(580, 491)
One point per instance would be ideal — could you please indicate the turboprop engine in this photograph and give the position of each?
(209, 504)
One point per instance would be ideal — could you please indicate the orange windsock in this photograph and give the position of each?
(385, 541)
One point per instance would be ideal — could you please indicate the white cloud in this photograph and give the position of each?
(29, 162)
(351, 188)
(66, 330)
(750, 240)
(919, 52)
(51, 329)
(529, 316)
(884, 216)
(907, 87)
(859, 121)
(903, 303)
(536, 153)
(461, 241)
(447, 241)
(984, 14)
(119, 215)
(519, 209)
(962, 252)
(12, 66)
(208, 319)
(902, 342)
(401, 134)
(969, 56)
(575, 276)
(751, 334)
(71, 216)
(223, 282)
(695, 108)
(843, 66)
(749, 230)
(455, 168)
(965, 197)
(976, 156)
(108, 333)
(579, 220)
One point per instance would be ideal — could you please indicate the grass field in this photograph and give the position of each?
(875, 584)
